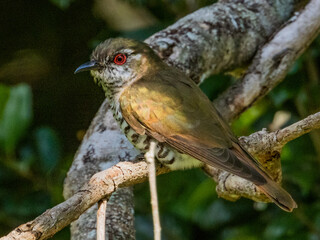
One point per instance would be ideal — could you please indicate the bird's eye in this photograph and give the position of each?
(120, 59)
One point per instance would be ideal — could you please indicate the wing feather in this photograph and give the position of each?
(172, 109)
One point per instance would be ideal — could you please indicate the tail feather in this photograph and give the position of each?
(269, 187)
(278, 195)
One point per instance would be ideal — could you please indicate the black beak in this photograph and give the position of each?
(92, 65)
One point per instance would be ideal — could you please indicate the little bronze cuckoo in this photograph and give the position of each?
(153, 101)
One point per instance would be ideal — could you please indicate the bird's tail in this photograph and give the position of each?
(269, 187)
(278, 195)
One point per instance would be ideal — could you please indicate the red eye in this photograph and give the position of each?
(120, 59)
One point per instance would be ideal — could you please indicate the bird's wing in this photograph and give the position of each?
(172, 109)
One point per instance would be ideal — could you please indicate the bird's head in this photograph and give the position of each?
(117, 62)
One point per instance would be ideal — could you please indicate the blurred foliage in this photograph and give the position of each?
(16, 115)
(32, 168)
(43, 107)
(63, 4)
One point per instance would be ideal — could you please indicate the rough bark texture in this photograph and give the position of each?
(268, 68)
(216, 42)
(265, 146)
(125, 174)
(272, 62)
(220, 37)
(213, 39)
(102, 147)
(101, 185)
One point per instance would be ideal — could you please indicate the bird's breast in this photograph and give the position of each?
(163, 152)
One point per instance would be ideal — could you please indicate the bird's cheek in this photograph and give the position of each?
(101, 74)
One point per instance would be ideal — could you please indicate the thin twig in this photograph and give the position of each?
(101, 219)
(298, 129)
(101, 185)
(262, 142)
(265, 146)
(149, 156)
(125, 174)
(198, 53)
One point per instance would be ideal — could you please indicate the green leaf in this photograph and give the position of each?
(15, 115)
(48, 147)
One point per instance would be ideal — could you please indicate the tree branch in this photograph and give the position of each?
(268, 68)
(125, 174)
(102, 147)
(296, 130)
(265, 146)
(213, 39)
(100, 186)
(272, 62)
(195, 51)
(220, 37)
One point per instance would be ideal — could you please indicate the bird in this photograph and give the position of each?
(152, 101)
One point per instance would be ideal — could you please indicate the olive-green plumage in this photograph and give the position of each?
(153, 100)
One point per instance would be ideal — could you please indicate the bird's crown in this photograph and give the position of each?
(117, 62)
(112, 46)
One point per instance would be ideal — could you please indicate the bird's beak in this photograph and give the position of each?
(92, 65)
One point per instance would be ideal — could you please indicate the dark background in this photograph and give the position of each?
(45, 110)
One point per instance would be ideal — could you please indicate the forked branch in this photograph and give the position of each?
(125, 174)
(233, 102)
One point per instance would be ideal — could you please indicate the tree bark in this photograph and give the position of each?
(102, 147)
(218, 38)
(122, 175)
(213, 39)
